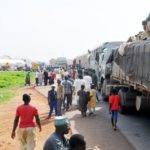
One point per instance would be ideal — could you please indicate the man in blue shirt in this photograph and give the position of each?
(52, 101)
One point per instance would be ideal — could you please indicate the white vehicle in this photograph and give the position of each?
(7, 63)
(61, 62)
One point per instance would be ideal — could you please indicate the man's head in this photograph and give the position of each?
(62, 124)
(66, 77)
(26, 98)
(53, 86)
(92, 86)
(77, 142)
(82, 87)
(58, 81)
(80, 76)
(114, 91)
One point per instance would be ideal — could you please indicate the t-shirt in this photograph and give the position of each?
(114, 100)
(88, 82)
(78, 83)
(26, 114)
(52, 95)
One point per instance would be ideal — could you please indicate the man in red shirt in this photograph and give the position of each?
(26, 131)
(114, 105)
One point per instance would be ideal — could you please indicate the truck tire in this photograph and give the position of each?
(142, 103)
(103, 91)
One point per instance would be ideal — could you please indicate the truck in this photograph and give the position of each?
(61, 62)
(129, 73)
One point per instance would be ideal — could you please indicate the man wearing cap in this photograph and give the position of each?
(52, 101)
(26, 131)
(57, 140)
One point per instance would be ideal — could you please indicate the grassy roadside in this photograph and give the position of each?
(9, 80)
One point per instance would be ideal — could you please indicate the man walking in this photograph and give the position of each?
(83, 100)
(114, 105)
(26, 131)
(67, 92)
(52, 101)
(60, 95)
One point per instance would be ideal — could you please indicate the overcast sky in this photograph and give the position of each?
(45, 29)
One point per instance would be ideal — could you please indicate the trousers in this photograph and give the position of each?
(27, 138)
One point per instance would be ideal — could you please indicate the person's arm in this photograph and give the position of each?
(16, 120)
(38, 122)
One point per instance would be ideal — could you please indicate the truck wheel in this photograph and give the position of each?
(122, 101)
(103, 91)
(142, 103)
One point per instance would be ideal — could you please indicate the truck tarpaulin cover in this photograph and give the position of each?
(134, 65)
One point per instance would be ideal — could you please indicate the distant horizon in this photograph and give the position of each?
(41, 30)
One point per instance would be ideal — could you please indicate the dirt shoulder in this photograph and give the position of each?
(7, 114)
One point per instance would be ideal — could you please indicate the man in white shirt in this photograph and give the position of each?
(88, 81)
(77, 86)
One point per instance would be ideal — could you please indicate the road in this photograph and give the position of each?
(96, 129)
(133, 126)
(133, 132)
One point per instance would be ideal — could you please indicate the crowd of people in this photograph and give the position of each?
(60, 99)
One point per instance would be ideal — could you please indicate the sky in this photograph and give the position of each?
(45, 29)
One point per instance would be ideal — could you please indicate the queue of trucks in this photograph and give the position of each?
(126, 67)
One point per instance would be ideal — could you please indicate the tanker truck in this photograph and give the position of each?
(129, 73)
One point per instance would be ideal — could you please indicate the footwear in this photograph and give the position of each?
(90, 113)
(48, 117)
(115, 128)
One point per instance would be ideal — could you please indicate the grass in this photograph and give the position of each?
(6, 95)
(10, 80)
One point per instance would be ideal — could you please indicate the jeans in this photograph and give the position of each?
(69, 101)
(52, 105)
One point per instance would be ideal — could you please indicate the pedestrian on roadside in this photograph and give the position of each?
(57, 140)
(88, 81)
(40, 78)
(77, 142)
(26, 131)
(76, 87)
(83, 100)
(92, 101)
(60, 97)
(114, 105)
(52, 101)
(67, 93)
(27, 79)
(45, 74)
(37, 78)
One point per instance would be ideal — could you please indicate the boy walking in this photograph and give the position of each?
(26, 131)
(114, 105)
(83, 100)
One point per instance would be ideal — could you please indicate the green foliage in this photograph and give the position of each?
(6, 95)
(13, 78)
(10, 80)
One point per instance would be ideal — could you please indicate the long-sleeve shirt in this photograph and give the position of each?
(56, 142)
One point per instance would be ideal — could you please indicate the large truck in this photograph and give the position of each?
(130, 74)
(61, 62)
